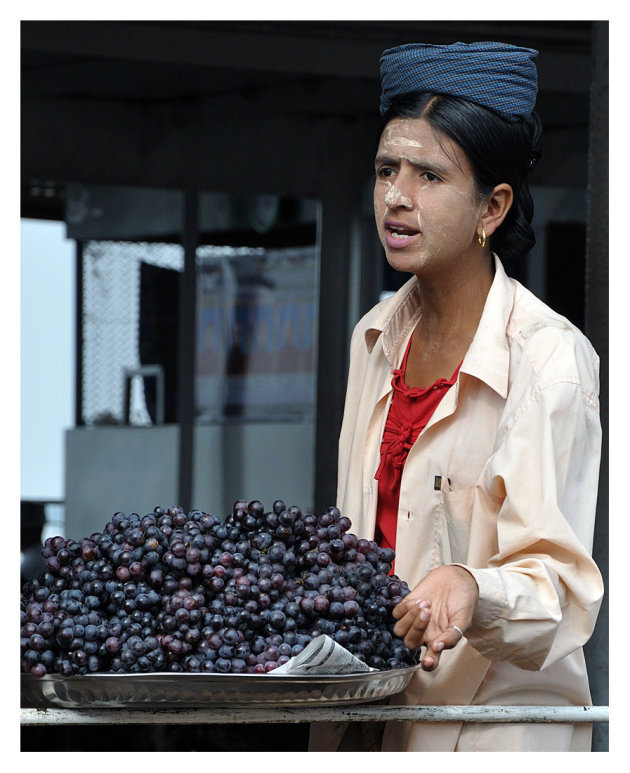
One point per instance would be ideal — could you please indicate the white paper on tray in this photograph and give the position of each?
(322, 656)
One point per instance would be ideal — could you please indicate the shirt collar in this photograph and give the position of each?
(395, 320)
(488, 355)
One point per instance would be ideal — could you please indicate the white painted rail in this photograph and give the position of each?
(360, 713)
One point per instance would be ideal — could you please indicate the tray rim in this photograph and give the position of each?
(199, 676)
(265, 683)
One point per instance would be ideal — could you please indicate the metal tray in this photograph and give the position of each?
(171, 690)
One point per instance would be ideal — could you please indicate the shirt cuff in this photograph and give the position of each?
(492, 600)
(489, 632)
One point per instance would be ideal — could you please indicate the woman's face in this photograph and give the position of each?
(427, 209)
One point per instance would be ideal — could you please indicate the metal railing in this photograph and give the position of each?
(357, 713)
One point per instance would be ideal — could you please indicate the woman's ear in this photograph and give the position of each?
(498, 205)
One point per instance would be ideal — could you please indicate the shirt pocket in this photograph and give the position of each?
(467, 527)
(454, 523)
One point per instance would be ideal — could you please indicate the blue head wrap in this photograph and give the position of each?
(498, 76)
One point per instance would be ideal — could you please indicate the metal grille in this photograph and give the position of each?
(111, 317)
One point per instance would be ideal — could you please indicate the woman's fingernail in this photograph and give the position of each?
(439, 646)
(424, 616)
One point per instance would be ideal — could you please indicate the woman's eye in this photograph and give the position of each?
(384, 171)
(430, 177)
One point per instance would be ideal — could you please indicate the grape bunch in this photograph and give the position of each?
(178, 592)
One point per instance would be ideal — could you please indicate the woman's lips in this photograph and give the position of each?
(398, 235)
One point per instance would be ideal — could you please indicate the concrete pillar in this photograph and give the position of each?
(187, 349)
(344, 161)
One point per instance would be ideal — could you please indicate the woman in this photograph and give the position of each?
(471, 434)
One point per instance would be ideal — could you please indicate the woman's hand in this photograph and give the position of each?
(446, 597)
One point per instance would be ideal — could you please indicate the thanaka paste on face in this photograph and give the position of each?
(395, 198)
(394, 134)
(443, 208)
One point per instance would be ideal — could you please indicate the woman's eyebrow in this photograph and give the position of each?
(418, 163)
(385, 161)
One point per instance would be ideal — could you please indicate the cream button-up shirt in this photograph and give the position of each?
(503, 480)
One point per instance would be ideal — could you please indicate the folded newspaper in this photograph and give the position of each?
(323, 656)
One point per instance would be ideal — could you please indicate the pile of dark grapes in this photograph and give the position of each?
(177, 592)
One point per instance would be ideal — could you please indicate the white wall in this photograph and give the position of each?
(133, 469)
(47, 359)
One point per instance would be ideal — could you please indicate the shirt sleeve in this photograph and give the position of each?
(540, 593)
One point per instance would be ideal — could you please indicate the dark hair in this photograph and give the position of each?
(499, 151)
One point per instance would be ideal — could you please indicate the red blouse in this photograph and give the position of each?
(410, 410)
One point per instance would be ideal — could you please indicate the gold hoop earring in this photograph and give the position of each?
(481, 238)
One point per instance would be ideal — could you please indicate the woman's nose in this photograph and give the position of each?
(395, 198)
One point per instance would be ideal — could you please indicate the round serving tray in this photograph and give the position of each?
(176, 690)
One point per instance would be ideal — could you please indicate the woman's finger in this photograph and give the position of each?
(411, 628)
(450, 638)
(430, 659)
(408, 604)
(446, 640)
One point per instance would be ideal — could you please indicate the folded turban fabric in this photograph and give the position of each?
(498, 76)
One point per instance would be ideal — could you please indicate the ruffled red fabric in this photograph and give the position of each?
(409, 412)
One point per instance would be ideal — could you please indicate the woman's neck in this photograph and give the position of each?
(451, 309)
(452, 303)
